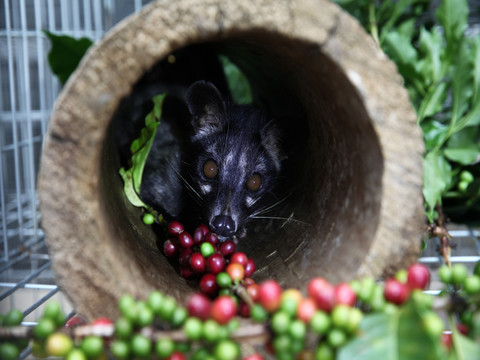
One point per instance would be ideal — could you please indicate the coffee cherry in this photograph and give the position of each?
(447, 339)
(289, 301)
(258, 313)
(58, 344)
(280, 322)
(212, 238)
(92, 346)
(9, 351)
(184, 258)
(236, 272)
(239, 257)
(355, 318)
(14, 318)
(197, 262)
(253, 357)
(193, 328)
(180, 314)
(249, 268)
(186, 271)
(472, 284)
(306, 309)
(123, 328)
(223, 309)
(396, 292)
(216, 263)
(168, 308)
(120, 349)
(77, 354)
(340, 316)
(185, 240)
(212, 331)
(459, 274)
(141, 346)
(445, 274)
(53, 310)
(169, 248)
(402, 276)
(207, 249)
(175, 228)
(297, 330)
(208, 285)
(155, 301)
(227, 248)
(244, 310)
(432, 324)
(44, 328)
(345, 295)
(148, 219)
(198, 236)
(269, 295)
(476, 269)
(324, 352)
(253, 291)
(226, 350)
(145, 315)
(323, 293)
(367, 286)
(418, 276)
(199, 305)
(164, 347)
(336, 338)
(224, 280)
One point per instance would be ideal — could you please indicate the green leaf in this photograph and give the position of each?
(476, 68)
(432, 103)
(432, 47)
(392, 336)
(65, 54)
(436, 178)
(140, 148)
(462, 84)
(452, 15)
(464, 156)
(237, 82)
(399, 48)
(464, 348)
(434, 132)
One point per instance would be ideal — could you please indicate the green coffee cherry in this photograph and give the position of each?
(141, 346)
(13, 318)
(320, 322)
(472, 284)
(120, 349)
(280, 322)
(58, 344)
(193, 328)
(148, 219)
(44, 328)
(164, 347)
(445, 274)
(459, 274)
(9, 351)
(123, 328)
(92, 346)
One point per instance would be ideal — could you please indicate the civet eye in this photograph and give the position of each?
(254, 182)
(210, 169)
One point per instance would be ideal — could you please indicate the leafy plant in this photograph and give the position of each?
(65, 54)
(140, 148)
(440, 65)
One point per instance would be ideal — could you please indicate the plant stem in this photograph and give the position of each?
(372, 21)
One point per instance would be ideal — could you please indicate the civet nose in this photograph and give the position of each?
(223, 225)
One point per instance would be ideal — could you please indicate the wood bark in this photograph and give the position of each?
(362, 176)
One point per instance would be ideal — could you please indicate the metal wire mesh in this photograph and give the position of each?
(28, 90)
(27, 93)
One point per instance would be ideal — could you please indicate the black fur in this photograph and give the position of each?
(240, 139)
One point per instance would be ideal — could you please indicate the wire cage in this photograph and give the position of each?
(27, 93)
(28, 90)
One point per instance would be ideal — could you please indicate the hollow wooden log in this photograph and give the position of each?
(361, 179)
